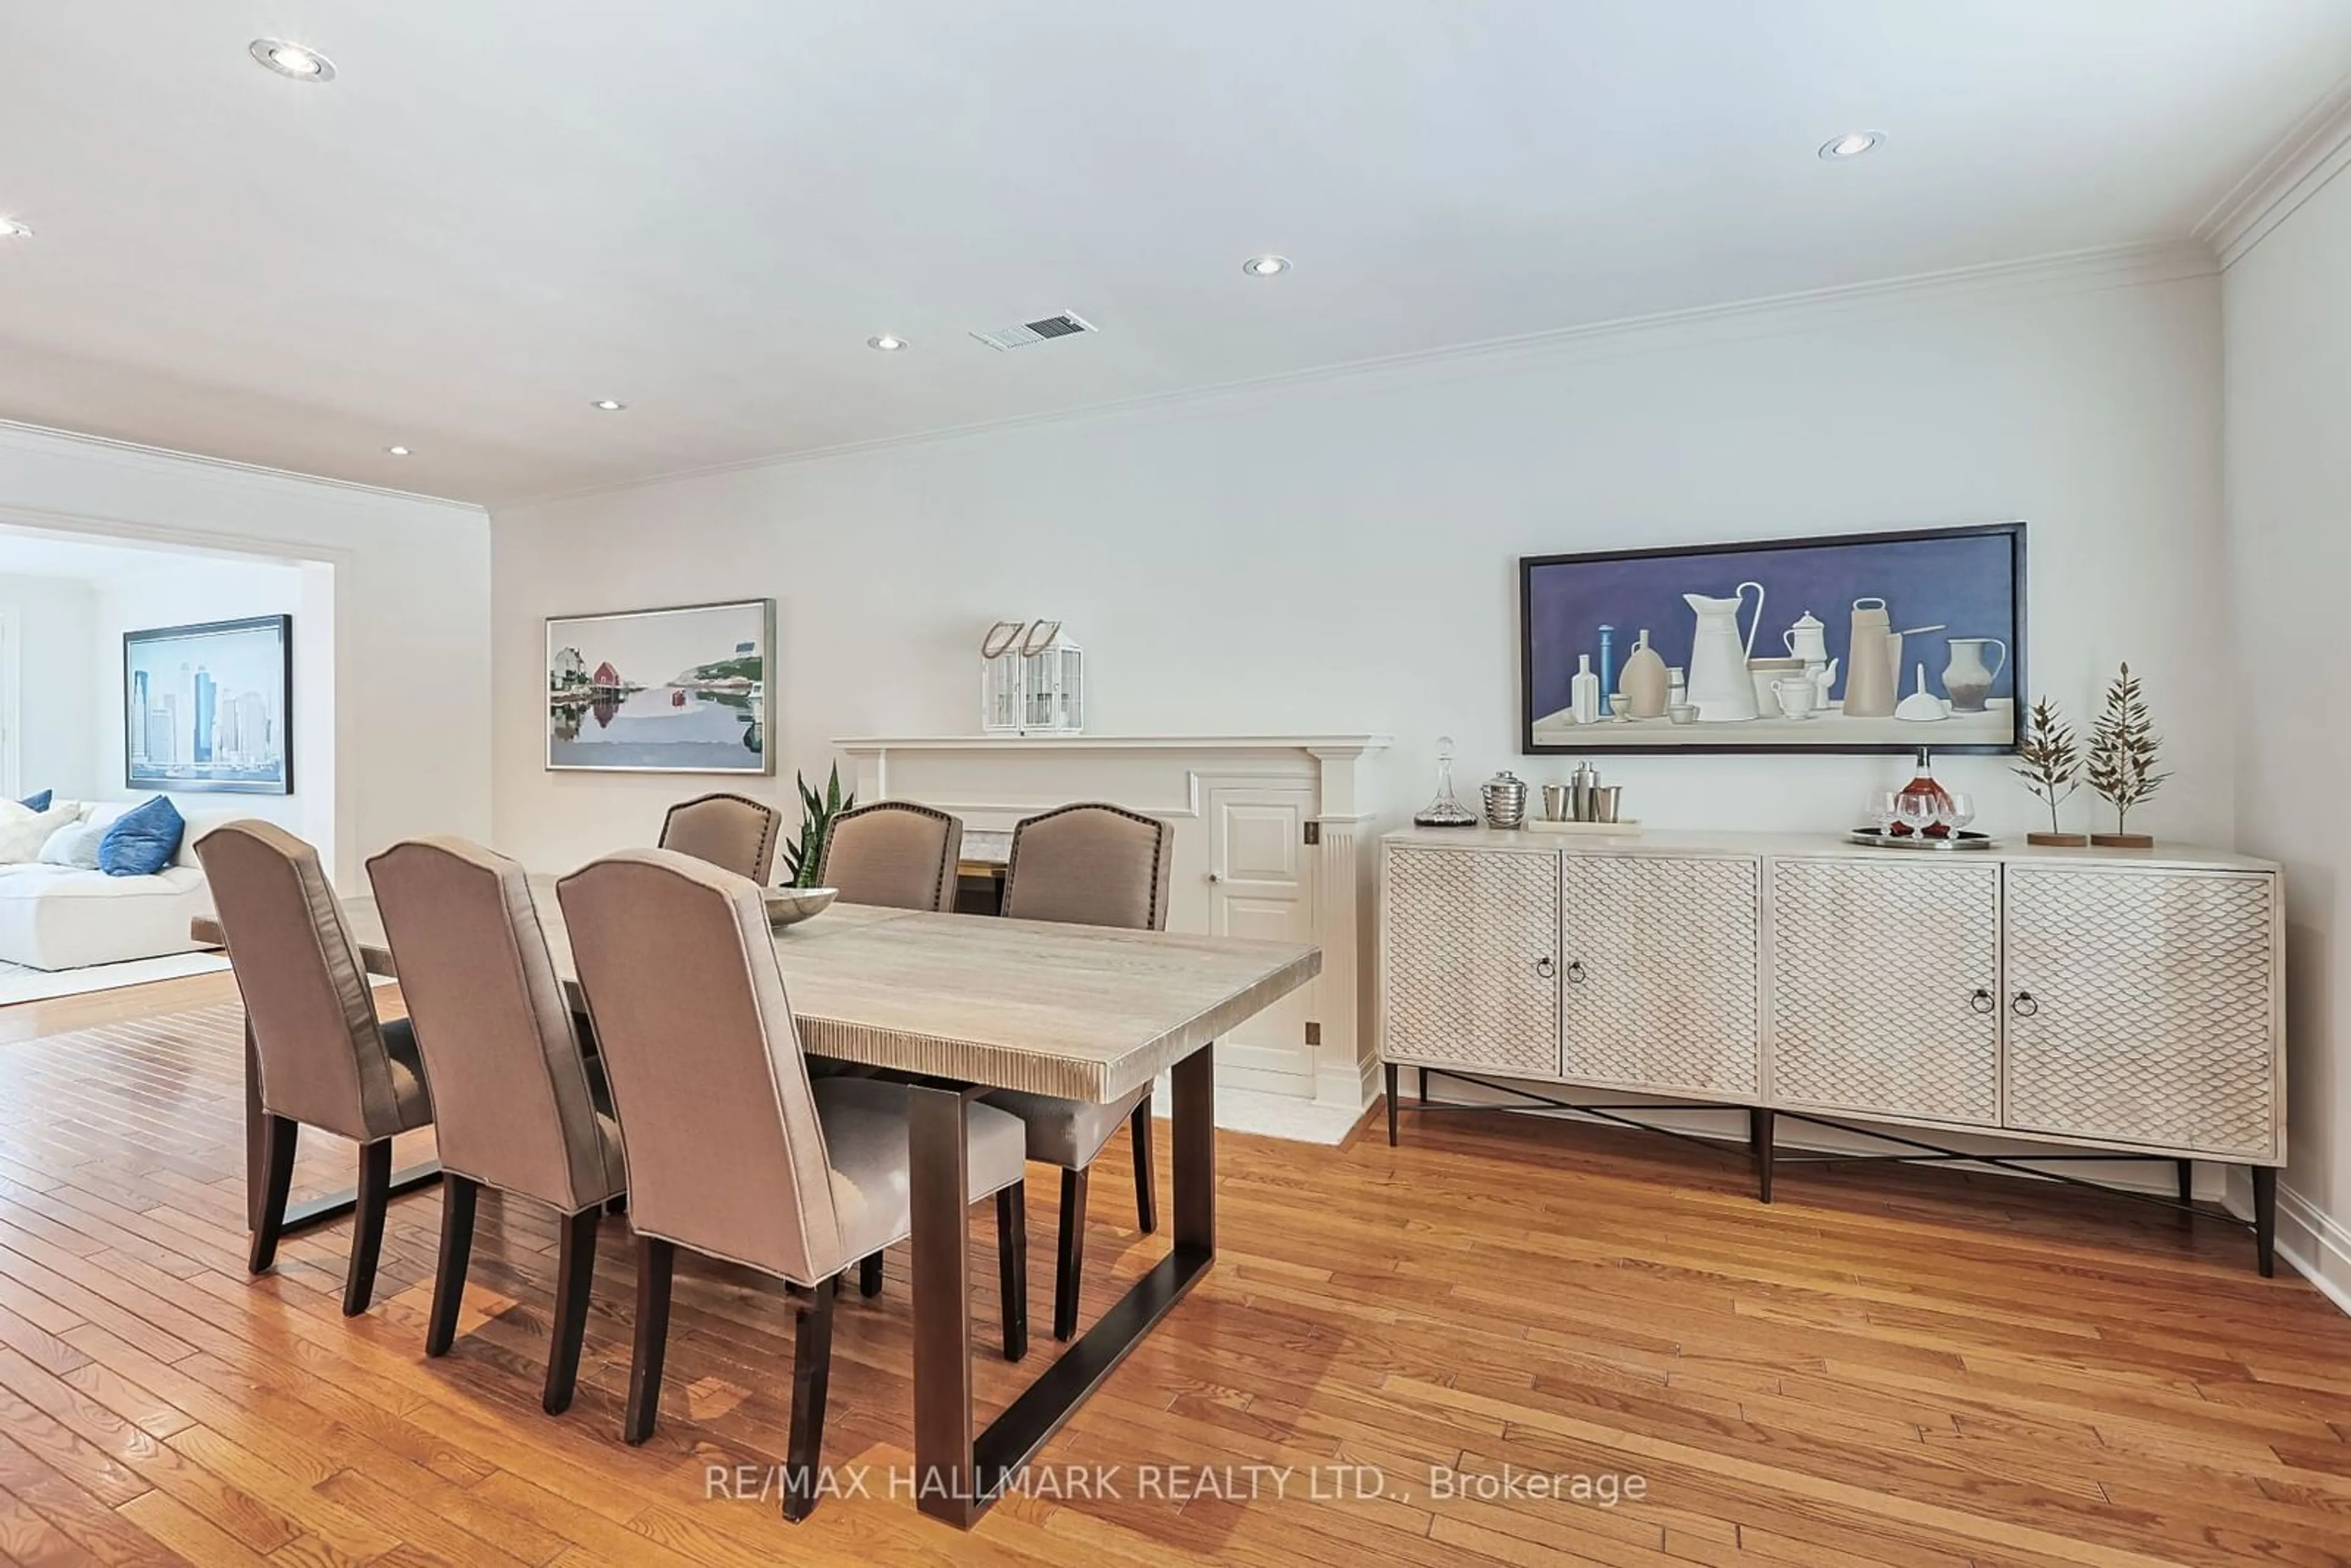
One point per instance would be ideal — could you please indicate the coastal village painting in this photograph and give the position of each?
(681, 690)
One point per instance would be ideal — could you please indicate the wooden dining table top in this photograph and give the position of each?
(1085, 1012)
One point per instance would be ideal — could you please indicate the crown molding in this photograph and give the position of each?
(2070, 272)
(163, 459)
(2317, 149)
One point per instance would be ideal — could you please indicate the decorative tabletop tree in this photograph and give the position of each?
(2049, 760)
(2123, 751)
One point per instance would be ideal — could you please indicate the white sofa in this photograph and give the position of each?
(57, 917)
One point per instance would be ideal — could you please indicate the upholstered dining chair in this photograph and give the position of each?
(519, 1107)
(898, 855)
(734, 1153)
(325, 1060)
(894, 853)
(1086, 864)
(727, 830)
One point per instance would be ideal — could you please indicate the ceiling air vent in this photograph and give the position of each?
(1065, 325)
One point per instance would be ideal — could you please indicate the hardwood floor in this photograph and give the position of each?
(1923, 1369)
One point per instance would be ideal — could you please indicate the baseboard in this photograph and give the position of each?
(1352, 1086)
(2319, 1249)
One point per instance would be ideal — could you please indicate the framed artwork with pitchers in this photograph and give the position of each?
(1855, 642)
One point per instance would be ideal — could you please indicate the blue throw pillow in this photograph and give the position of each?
(40, 802)
(143, 840)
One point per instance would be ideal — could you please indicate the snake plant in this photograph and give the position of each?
(805, 853)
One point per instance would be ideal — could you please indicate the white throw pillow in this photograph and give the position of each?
(75, 844)
(23, 831)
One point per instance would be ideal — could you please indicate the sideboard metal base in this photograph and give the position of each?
(1761, 1153)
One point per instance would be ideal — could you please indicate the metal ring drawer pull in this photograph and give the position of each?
(1983, 1001)
(2025, 1007)
(1545, 967)
(1575, 972)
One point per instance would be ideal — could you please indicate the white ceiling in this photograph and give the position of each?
(500, 211)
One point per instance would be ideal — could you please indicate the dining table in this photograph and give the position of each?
(960, 1005)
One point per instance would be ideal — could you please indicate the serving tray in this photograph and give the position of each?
(1958, 843)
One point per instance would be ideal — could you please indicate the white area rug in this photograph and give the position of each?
(18, 984)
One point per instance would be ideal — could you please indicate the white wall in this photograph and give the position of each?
(2288, 398)
(411, 609)
(1339, 554)
(52, 620)
(181, 591)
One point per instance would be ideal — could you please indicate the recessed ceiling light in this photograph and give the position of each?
(609, 407)
(293, 61)
(1266, 266)
(11, 229)
(397, 451)
(1852, 144)
(888, 342)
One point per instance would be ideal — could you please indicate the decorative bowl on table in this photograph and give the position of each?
(791, 905)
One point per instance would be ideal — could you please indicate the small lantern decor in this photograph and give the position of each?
(1032, 680)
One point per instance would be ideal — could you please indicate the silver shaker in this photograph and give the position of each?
(1586, 785)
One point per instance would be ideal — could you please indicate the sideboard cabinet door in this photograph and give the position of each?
(1470, 959)
(2142, 1008)
(1885, 987)
(1659, 960)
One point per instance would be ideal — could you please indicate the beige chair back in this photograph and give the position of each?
(1089, 865)
(726, 1155)
(894, 853)
(514, 1107)
(727, 830)
(312, 1012)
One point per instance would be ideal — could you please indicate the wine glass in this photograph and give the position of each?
(1917, 812)
(1884, 808)
(1958, 811)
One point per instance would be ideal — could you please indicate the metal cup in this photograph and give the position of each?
(1606, 801)
(1555, 802)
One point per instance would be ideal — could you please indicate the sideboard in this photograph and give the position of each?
(2128, 1003)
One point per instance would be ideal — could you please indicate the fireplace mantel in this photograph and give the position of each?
(1272, 838)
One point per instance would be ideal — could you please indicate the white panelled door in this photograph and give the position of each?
(1261, 885)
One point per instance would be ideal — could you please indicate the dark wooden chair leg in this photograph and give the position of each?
(368, 1206)
(1012, 1265)
(575, 1271)
(1390, 1071)
(869, 1275)
(278, 1136)
(656, 1260)
(811, 1371)
(1146, 1202)
(2265, 1219)
(457, 1195)
(1071, 1266)
(1760, 1125)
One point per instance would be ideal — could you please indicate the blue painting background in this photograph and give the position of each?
(1964, 584)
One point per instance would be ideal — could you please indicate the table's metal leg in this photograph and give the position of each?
(942, 1302)
(1012, 1440)
(1195, 1127)
(317, 1210)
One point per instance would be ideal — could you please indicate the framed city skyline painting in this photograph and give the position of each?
(1848, 643)
(675, 690)
(210, 706)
